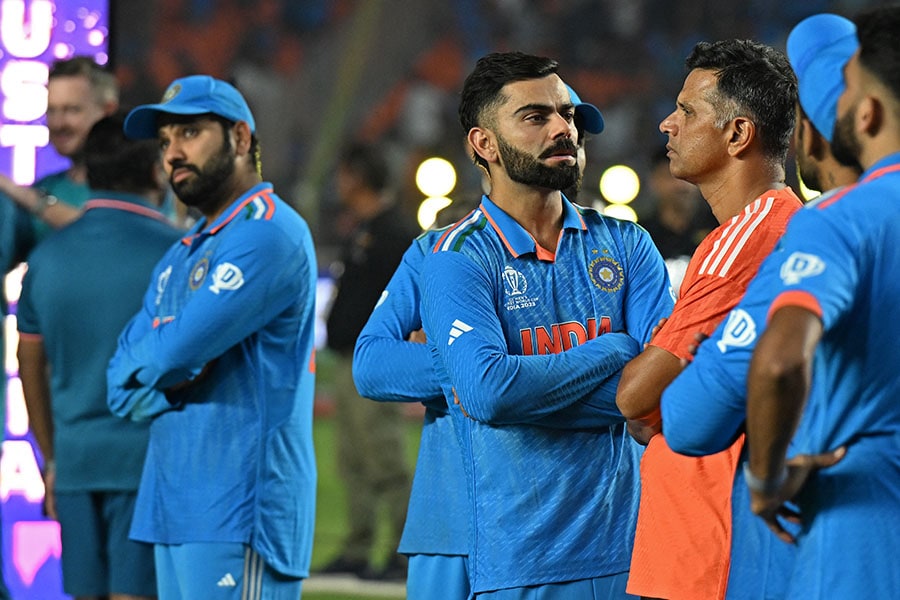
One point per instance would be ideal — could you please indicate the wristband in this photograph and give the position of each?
(49, 467)
(764, 486)
(44, 202)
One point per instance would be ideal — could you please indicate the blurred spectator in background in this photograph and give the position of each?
(79, 93)
(371, 447)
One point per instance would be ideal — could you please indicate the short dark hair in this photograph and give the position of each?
(481, 89)
(367, 163)
(755, 81)
(115, 162)
(103, 82)
(877, 31)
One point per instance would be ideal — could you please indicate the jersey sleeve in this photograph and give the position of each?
(386, 366)
(699, 310)
(255, 274)
(650, 296)
(490, 384)
(704, 408)
(819, 267)
(126, 396)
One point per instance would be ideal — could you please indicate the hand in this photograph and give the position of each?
(699, 338)
(656, 329)
(49, 476)
(418, 337)
(771, 507)
(204, 372)
(641, 431)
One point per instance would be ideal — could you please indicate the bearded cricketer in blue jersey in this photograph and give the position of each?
(392, 363)
(824, 373)
(220, 358)
(526, 304)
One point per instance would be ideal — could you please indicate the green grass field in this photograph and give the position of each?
(331, 523)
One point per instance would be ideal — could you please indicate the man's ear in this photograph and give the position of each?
(741, 133)
(483, 144)
(869, 117)
(242, 136)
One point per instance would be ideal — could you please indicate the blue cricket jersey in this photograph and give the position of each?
(387, 367)
(527, 348)
(835, 259)
(230, 457)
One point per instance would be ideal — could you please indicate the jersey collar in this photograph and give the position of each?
(263, 189)
(516, 238)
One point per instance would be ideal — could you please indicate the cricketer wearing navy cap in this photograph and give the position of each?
(192, 95)
(818, 48)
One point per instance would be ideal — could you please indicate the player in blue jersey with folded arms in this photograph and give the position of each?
(823, 377)
(220, 357)
(524, 304)
(706, 402)
(392, 363)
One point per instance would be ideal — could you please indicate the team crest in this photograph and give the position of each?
(198, 273)
(607, 274)
(171, 93)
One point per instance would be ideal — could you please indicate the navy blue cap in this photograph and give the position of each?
(818, 48)
(193, 95)
(590, 114)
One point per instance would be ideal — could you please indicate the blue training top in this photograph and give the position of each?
(230, 308)
(529, 358)
(82, 286)
(387, 367)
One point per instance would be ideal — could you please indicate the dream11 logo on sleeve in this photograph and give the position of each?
(32, 35)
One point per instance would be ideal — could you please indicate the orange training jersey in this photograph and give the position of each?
(682, 547)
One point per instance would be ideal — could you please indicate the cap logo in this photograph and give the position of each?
(171, 92)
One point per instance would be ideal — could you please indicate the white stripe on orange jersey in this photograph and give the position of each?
(770, 201)
(725, 251)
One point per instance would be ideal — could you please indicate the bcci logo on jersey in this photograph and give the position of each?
(226, 277)
(515, 285)
(739, 332)
(607, 274)
(198, 273)
(799, 266)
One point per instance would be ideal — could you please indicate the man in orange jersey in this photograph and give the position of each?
(729, 134)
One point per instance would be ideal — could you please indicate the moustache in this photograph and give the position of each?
(182, 165)
(564, 146)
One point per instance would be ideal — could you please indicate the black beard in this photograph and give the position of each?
(206, 189)
(845, 145)
(528, 170)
